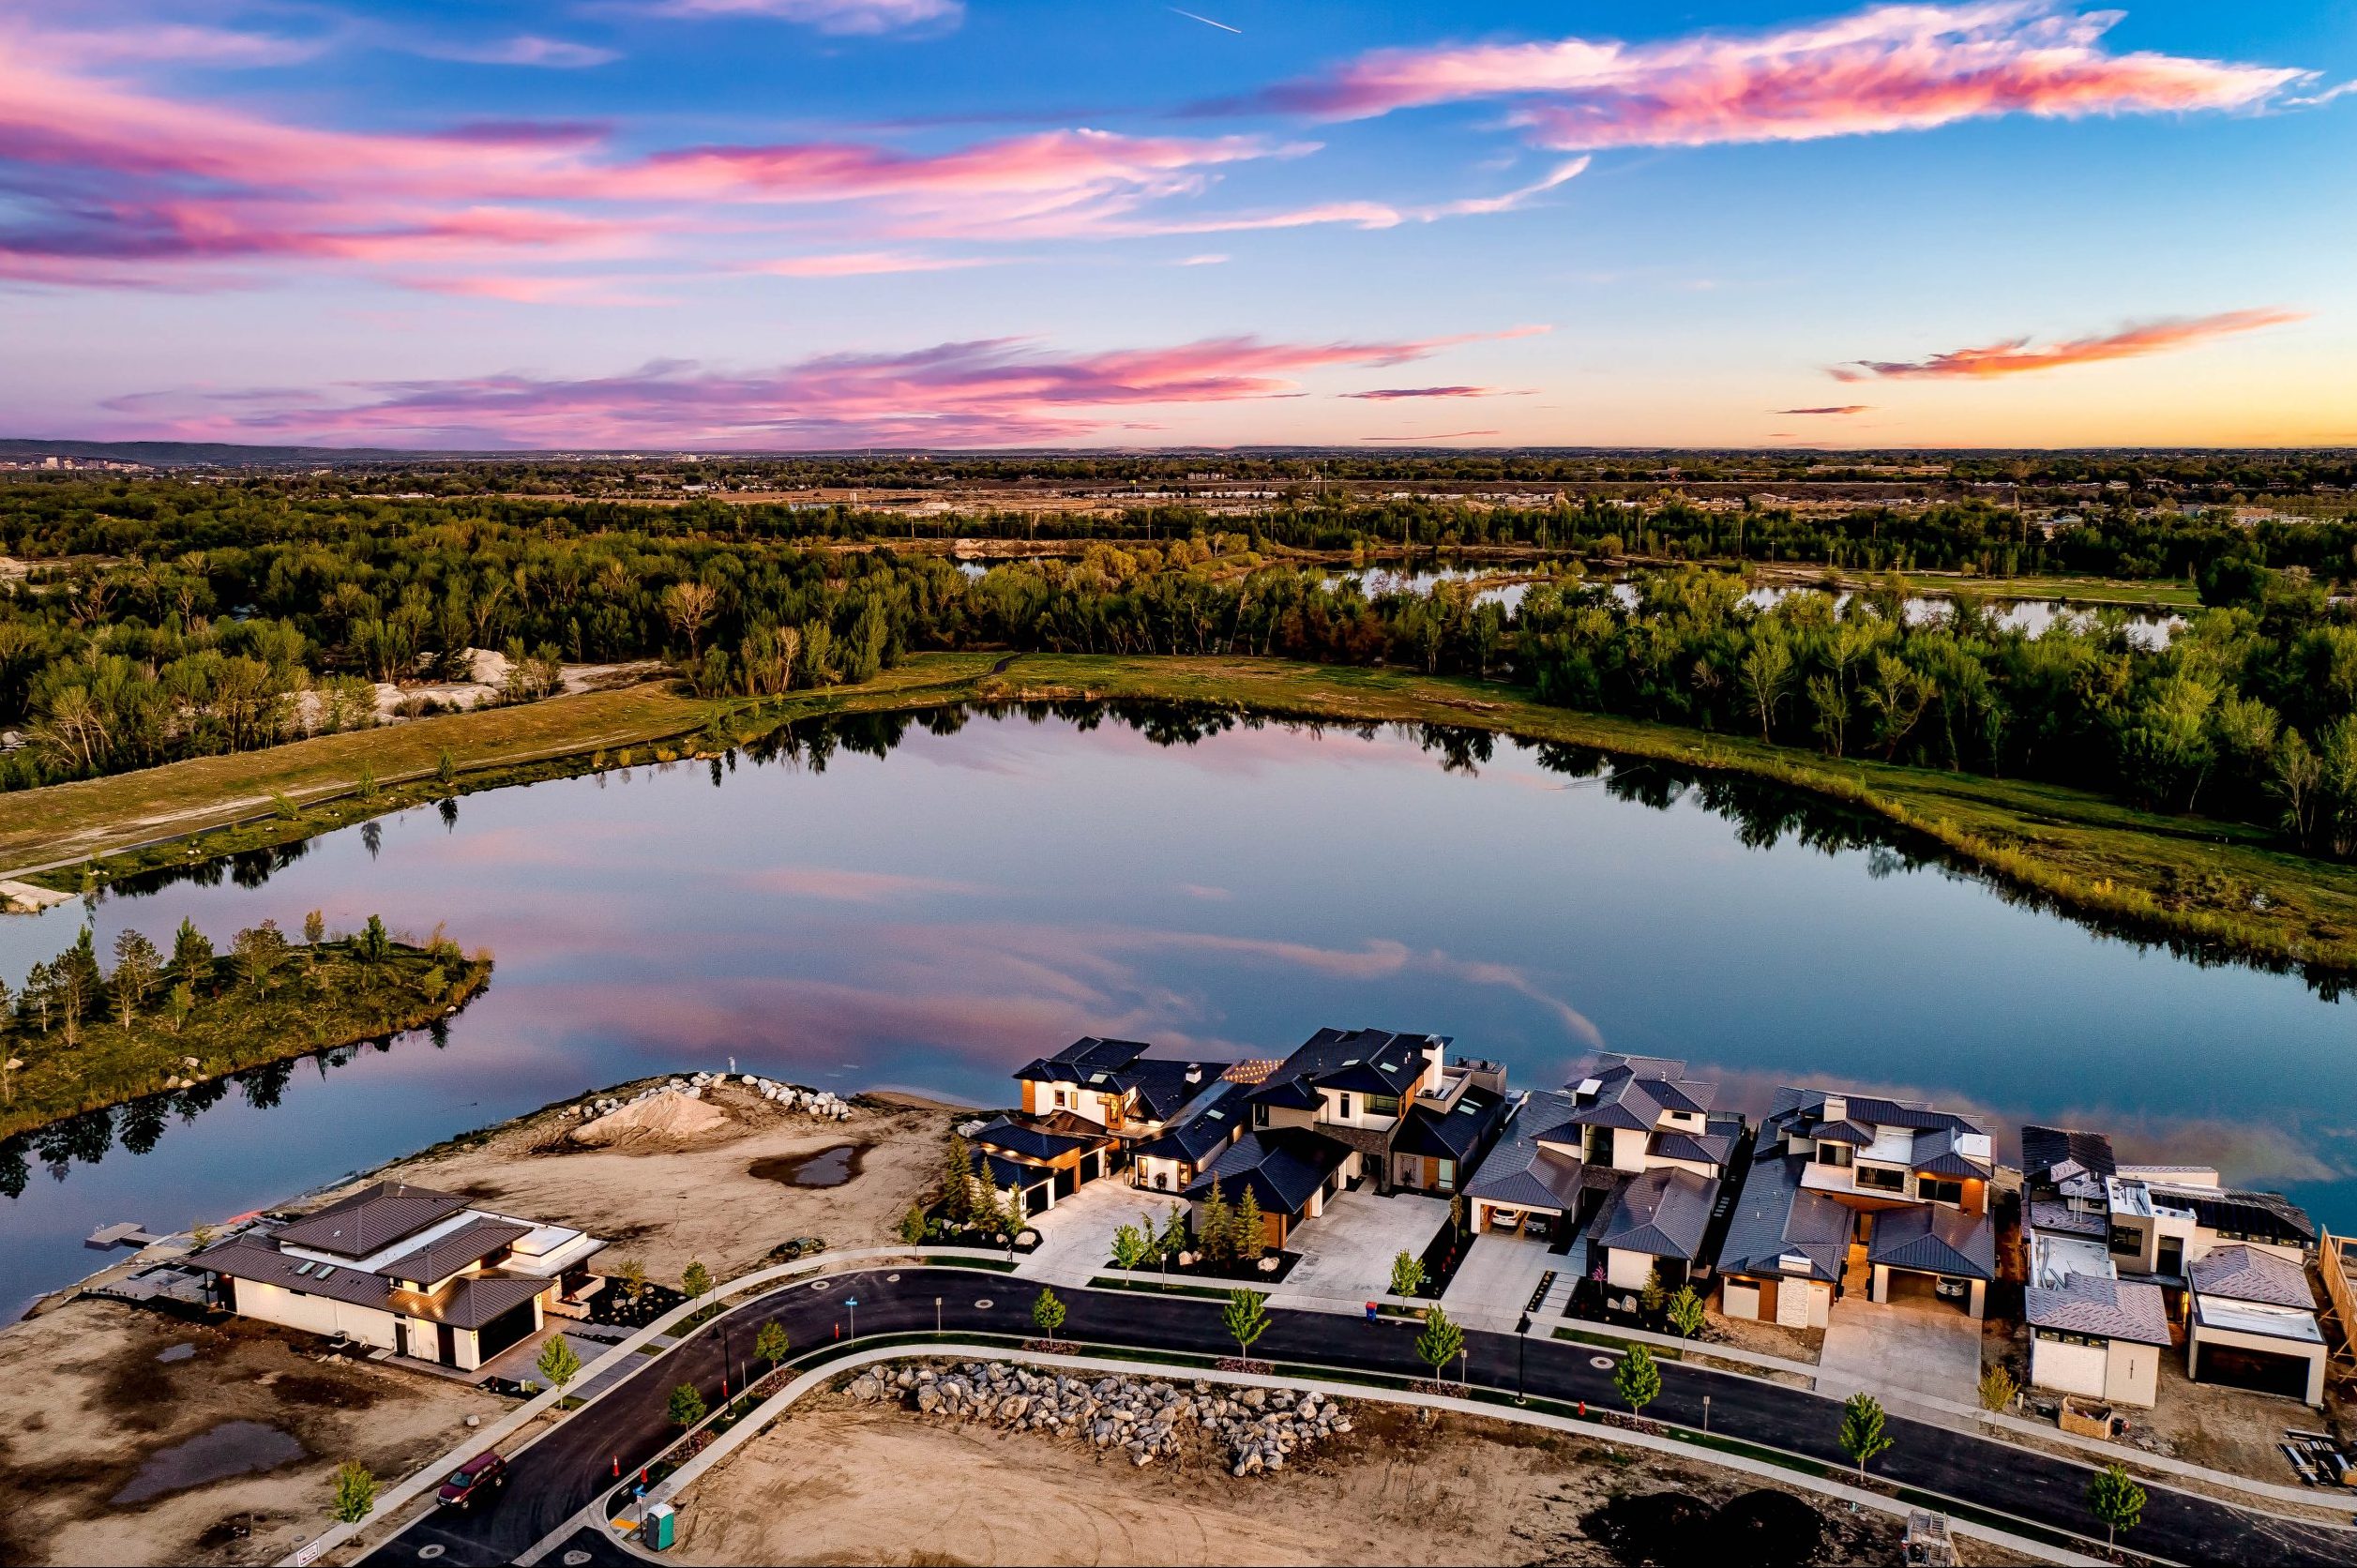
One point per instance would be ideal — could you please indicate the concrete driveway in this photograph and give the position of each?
(1499, 1276)
(1347, 1251)
(1076, 1237)
(1906, 1345)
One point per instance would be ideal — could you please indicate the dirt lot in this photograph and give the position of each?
(873, 1485)
(90, 1405)
(1764, 1339)
(2226, 1429)
(667, 1200)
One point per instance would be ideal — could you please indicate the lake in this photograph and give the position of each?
(929, 902)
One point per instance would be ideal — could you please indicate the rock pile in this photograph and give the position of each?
(821, 1103)
(818, 1102)
(1257, 1429)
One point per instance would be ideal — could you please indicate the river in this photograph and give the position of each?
(928, 903)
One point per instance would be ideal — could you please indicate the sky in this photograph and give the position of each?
(830, 224)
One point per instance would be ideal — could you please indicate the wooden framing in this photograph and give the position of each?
(2336, 1260)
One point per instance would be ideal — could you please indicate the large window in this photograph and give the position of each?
(1447, 1177)
(1882, 1180)
(1837, 1154)
(1382, 1105)
(1939, 1189)
(1344, 1102)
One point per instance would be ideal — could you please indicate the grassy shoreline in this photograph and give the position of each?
(2215, 890)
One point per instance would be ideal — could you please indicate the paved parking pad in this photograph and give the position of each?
(1347, 1251)
(1913, 1346)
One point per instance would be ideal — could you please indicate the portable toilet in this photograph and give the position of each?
(655, 1534)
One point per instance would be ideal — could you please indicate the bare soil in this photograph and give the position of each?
(873, 1485)
(86, 1406)
(1763, 1340)
(712, 1192)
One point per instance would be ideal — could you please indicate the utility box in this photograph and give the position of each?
(655, 1534)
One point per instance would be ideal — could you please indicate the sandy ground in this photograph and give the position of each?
(881, 1487)
(84, 1402)
(665, 1201)
(1763, 1339)
(2229, 1428)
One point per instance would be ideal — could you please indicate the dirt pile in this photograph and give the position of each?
(671, 1117)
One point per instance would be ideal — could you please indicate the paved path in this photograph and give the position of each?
(561, 1475)
(1912, 1346)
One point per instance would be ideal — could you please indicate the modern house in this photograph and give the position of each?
(408, 1270)
(1170, 1160)
(2251, 1322)
(1629, 1159)
(2091, 1332)
(1859, 1190)
(1352, 1106)
(1043, 1158)
(1086, 1111)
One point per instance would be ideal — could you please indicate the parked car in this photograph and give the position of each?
(473, 1481)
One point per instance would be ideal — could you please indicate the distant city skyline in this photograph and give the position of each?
(829, 224)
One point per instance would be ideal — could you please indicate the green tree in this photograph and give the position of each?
(136, 965)
(1685, 1312)
(1441, 1340)
(633, 1278)
(1998, 1389)
(686, 1406)
(1767, 671)
(770, 1344)
(1407, 1274)
(372, 943)
(957, 1183)
(1130, 1245)
(259, 951)
(1862, 1435)
(1214, 1224)
(697, 1280)
(1637, 1380)
(446, 768)
(365, 787)
(355, 1492)
(1251, 1229)
(2115, 1499)
(192, 955)
(315, 927)
(1047, 1313)
(1654, 1295)
(558, 1363)
(913, 1227)
(1246, 1317)
(179, 1004)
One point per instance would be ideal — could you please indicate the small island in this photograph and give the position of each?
(84, 1034)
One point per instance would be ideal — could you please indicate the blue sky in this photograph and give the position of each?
(816, 223)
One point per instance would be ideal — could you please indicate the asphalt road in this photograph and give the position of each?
(559, 1475)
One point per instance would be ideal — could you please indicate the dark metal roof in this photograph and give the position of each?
(1210, 1122)
(472, 1300)
(1083, 1057)
(1363, 1061)
(1518, 1171)
(370, 1220)
(2043, 1148)
(2267, 1217)
(470, 1243)
(1775, 1217)
(1282, 1169)
(2247, 1273)
(250, 1257)
(1710, 1147)
(1936, 1153)
(1634, 1092)
(2047, 1214)
(1931, 1239)
(1797, 1109)
(1454, 1134)
(1664, 1213)
(1033, 1141)
(2107, 1309)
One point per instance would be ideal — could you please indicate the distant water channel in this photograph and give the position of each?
(928, 902)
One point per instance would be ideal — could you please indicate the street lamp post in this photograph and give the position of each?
(853, 1303)
(1522, 1341)
(936, 1316)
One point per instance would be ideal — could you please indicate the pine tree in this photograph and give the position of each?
(957, 1183)
(1215, 1227)
(1251, 1234)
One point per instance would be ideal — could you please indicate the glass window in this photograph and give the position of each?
(1882, 1180)
(1837, 1155)
(1345, 1102)
(1382, 1105)
(1939, 1189)
(1448, 1175)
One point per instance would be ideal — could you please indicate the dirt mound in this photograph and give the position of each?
(1773, 1529)
(1656, 1528)
(658, 1119)
(1676, 1529)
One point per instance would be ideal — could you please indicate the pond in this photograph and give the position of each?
(928, 902)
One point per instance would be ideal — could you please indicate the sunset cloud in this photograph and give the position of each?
(1386, 394)
(991, 392)
(2014, 356)
(1835, 409)
(829, 16)
(1884, 69)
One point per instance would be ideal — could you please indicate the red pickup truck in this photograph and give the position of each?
(476, 1480)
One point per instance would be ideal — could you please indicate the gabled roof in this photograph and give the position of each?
(470, 1243)
(1037, 1140)
(1937, 1154)
(1634, 1092)
(1777, 1218)
(1082, 1059)
(470, 1302)
(2107, 1309)
(1454, 1134)
(1802, 1110)
(1164, 1086)
(1712, 1146)
(2043, 1148)
(1210, 1121)
(1518, 1171)
(370, 1220)
(2248, 1273)
(1282, 1169)
(1931, 1239)
(1662, 1212)
(1361, 1060)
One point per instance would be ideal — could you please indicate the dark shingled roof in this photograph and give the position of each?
(471, 1302)
(1454, 1134)
(1802, 1110)
(2246, 1274)
(1712, 1146)
(1282, 1169)
(2043, 1148)
(1633, 1091)
(2107, 1309)
(2047, 1214)
(444, 1256)
(1518, 1171)
(1209, 1123)
(1775, 1215)
(1663, 1213)
(1033, 1141)
(1936, 1155)
(370, 1220)
(1082, 1059)
(1935, 1240)
(1361, 1060)
(250, 1257)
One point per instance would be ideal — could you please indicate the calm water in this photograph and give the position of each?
(933, 913)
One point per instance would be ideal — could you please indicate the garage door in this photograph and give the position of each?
(504, 1331)
(1035, 1198)
(1092, 1165)
(2256, 1370)
(1066, 1182)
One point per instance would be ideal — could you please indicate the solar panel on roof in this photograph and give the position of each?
(301, 1269)
(325, 1270)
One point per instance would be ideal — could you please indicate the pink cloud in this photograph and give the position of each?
(1884, 69)
(1387, 394)
(866, 264)
(2013, 356)
(1835, 409)
(830, 16)
(990, 392)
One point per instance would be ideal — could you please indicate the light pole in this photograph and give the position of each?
(936, 1316)
(1522, 1341)
(853, 1303)
(1706, 1413)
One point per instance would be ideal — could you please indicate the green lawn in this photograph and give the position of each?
(2217, 886)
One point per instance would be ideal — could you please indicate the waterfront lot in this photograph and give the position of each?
(879, 1485)
(225, 1453)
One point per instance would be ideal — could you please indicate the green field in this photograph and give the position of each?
(2217, 887)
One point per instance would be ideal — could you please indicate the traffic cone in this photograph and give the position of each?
(617, 1467)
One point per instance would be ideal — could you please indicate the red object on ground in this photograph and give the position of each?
(486, 1471)
(617, 1467)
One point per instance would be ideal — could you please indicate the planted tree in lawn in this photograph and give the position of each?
(2114, 1498)
(1251, 1229)
(1637, 1378)
(770, 1344)
(1246, 1317)
(1047, 1313)
(1130, 1245)
(1685, 1312)
(957, 1183)
(1407, 1274)
(1862, 1435)
(1441, 1341)
(697, 1280)
(686, 1406)
(558, 1363)
(355, 1492)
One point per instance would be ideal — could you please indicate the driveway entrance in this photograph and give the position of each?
(1916, 1347)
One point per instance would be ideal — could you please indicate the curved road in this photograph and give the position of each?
(562, 1473)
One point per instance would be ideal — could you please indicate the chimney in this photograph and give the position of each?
(1837, 1107)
